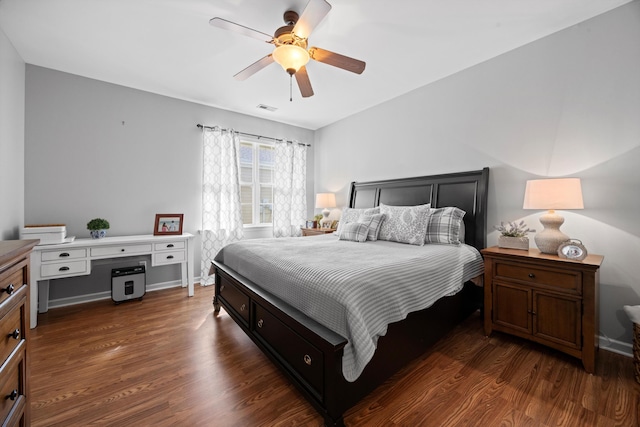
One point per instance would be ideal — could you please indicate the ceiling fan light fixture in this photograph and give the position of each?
(290, 57)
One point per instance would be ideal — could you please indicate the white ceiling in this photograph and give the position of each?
(168, 47)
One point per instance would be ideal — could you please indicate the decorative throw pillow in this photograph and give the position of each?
(444, 226)
(374, 222)
(352, 215)
(404, 224)
(355, 232)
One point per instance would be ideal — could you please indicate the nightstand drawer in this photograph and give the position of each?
(540, 276)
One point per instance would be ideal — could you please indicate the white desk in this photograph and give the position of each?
(74, 259)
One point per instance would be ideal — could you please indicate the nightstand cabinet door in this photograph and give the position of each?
(512, 307)
(558, 319)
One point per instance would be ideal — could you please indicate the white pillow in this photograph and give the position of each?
(352, 215)
(404, 224)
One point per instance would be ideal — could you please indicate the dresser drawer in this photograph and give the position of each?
(123, 250)
(167, 246)
(561, 279)
(11, 331)
(63, 255)
(10, 283)
(12, 377)
(168, 257)
(63, 268)
(238, 300)
(303, 357)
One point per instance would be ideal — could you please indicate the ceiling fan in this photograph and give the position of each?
(291, 46)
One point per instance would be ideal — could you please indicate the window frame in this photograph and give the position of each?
(255, 183)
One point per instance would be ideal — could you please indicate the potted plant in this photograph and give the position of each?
(514, 235)
(98, 227)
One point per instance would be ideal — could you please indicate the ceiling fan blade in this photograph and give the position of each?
(232, 26)
(303, 82)
(313, 13)
(337, 60)
(254, 68)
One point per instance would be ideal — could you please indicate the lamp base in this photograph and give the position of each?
(325, 219)
(550, 238)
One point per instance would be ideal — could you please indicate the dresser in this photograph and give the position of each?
(14, 327)
(544, 298)
(317, 231)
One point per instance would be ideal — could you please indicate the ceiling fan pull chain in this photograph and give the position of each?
(290, 87)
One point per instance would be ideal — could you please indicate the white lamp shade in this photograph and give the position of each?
(290, 57)
(555, 193)
(325, 200)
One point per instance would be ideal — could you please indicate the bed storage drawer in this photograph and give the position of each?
(304, 358)
(235, 299)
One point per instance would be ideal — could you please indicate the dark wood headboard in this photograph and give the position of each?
(465, 190)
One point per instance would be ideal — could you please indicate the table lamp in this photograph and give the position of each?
(551, 194)
(325, 201)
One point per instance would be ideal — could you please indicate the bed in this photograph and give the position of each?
(311, 354)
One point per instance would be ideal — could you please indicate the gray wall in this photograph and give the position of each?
(566, 105)
(95, 149)
(11, 140)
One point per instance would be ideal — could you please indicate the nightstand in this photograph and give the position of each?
(544, 298)
(316, 231)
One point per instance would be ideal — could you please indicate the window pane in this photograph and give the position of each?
(246, 194)
(246, 174)
(266, 213)
(266, 194)
(247, 214)
(246, 153)
(266, 157)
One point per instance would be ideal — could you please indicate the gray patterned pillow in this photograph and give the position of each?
(355, 232)
(352, 215)
(374, 222)
(444, 226)
(404, 224)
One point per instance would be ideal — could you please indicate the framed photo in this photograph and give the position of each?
(572, 249)
(168, 224)
(312, 224)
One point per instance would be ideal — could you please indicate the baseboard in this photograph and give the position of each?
(81, 299)
(615, 346)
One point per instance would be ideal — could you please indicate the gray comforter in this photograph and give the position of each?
(354, 289)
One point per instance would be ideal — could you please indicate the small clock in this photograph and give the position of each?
(572, 249)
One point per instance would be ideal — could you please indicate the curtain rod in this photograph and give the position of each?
(253, 135)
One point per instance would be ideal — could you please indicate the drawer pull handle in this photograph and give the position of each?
(64, 255)
(9, 289)
(307, 359)
(170, 257)
(15, 334)
(13, 395)
(221, 288)
(65, 268)
(260, 323)
(170, 245)
(242, 307)
(531, 275)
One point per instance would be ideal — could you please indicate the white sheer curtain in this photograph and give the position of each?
(289, 189)
(221, 209)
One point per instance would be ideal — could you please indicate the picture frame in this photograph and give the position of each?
(168, 224)
(311, 224)
(572, 249)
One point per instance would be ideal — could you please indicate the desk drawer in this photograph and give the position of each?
(62, 255)
(123, 250)
(168, 257)
(63, 269)
(168, 246)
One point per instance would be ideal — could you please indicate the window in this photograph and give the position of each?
(256, 183)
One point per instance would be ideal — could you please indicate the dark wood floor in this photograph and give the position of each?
(167, 361)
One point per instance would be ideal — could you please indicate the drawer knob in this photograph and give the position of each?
(15, 334)
(531, 275)
(307, 359)
(170, 257)
(64, 254)
(122, 250)
(170, 245)
(65, 268)
(12, 395)
(260, 323)
(9, 289)
(242, 307)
